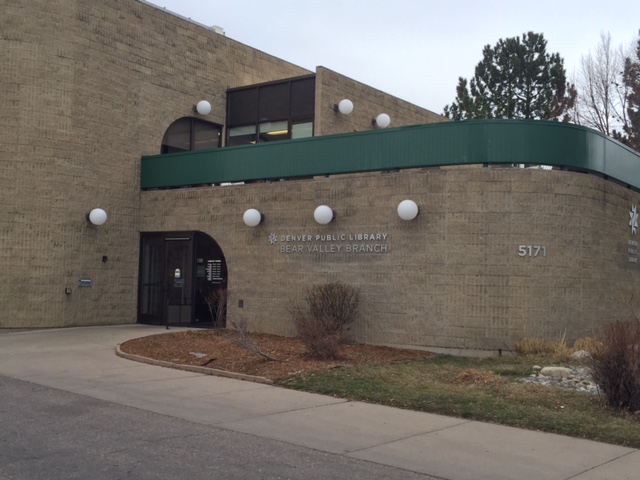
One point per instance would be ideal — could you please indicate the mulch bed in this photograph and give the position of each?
(215, 349)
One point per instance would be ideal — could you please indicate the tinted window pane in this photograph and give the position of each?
(243, 106)
(241, 140)
(177, 138)
(292, 101)
(280, 127)
(242, 135)
(302, 130)
(272, 131)
(247, 130)
(189, 133)
(205, 135)
(274, 102)
(303, 97)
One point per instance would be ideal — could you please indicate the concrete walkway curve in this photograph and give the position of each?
(83, 361)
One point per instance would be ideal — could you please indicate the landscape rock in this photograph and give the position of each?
(556, 372)
(578, 379)
(580, 355)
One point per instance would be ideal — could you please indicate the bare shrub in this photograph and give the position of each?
(319, 342)
(217, 303)
(244, 340)
(615, 365)
(323, 322)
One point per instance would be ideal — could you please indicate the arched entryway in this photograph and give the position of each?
(182, 280)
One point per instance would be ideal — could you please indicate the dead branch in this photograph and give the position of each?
(243, 340)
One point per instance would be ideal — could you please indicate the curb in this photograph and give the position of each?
(192, 368)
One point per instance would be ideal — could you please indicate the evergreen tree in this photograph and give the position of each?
(515, 79)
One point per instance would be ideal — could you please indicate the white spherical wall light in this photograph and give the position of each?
(203, 107)
(323, 214)
(97, 216)
(383, 120)
(345, 106)
(408, 210)
(252, 217)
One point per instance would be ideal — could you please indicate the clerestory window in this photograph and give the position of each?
(270, 112)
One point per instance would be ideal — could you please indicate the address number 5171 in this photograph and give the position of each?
(532, 250)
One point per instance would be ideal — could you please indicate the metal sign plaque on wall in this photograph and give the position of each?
(331, 243)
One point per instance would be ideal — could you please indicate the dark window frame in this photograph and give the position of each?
(166, 148)
(305, 117)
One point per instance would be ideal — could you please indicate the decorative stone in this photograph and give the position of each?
(582, 380)
(556, 372)
(579, 355)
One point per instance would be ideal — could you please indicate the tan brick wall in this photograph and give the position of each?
(87, 87)
(452, 277)
(368, 103)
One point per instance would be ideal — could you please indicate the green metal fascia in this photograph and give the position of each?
(451, 143)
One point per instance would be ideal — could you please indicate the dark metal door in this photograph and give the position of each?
(178, 278)
(151, 282)
(182, 280)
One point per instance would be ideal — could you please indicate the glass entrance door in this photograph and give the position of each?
(178, 280)
(182, 280)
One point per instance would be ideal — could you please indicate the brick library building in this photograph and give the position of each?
(149, 161)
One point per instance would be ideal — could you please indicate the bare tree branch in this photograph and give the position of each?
(243, 340)
(602, 97)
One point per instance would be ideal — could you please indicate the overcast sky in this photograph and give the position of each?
(413, 49)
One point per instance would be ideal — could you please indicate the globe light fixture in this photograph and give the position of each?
(324, 214)
(97, 216)
(408, 210)
(382, 121)
(252, 218)
(203, 107)
(345, 106)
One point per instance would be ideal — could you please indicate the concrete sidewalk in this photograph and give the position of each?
(83, 361)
